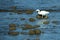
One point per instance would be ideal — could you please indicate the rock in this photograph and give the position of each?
(38, 16)
(27, 26)
(34, 32)
(29, 11)
(31, 32)
(19, 12)
(37, 32)
(31, 19)
(56, 22)
(22, 18)
(13, 33)
(46, 22)
(36, 26)
(37, 39)
(45, 17)
(12, 27)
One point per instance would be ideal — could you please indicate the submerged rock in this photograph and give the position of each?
(29, 11)
(56, 22)
(22, 19)
(19, 12)
(13, 33)
(46, 22)
(28, 26)
(31, 19)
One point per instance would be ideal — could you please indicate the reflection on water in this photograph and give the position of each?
(50, 31)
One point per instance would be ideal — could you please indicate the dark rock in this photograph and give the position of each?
(22, 18)
(31, 19)
(56, 22)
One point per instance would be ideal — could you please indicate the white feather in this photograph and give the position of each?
(42, 12)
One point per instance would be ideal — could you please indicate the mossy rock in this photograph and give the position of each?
(29, 11)
(46, 22)
(13, 33)
(31, 19)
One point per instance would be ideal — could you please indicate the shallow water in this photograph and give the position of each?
(50, 32)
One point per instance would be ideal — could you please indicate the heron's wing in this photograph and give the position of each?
(44, 12)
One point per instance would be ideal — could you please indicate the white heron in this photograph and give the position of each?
(42, 12)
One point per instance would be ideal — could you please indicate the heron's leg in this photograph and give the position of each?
(42, 16)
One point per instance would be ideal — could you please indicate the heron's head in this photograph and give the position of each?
(37, 10)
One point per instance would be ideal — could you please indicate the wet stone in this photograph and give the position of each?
(46, 22)
(31, 19)
(13, 33)
(29, 11)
